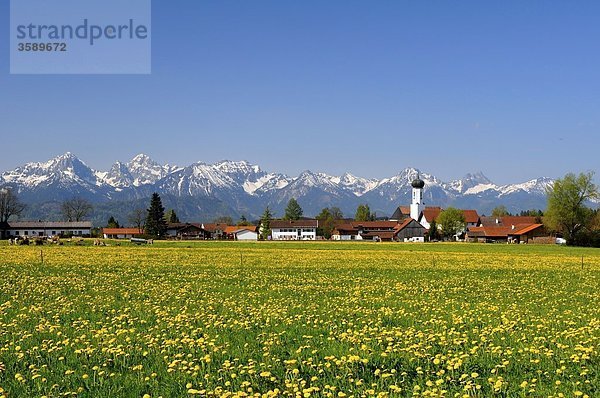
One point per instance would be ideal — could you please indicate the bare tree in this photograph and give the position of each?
(76, 209)
(137, 218)
(10, 205)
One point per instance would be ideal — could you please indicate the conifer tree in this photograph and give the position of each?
(171, 217)
(155, 219)
(265, 223)
(293, 211)
(112, 223)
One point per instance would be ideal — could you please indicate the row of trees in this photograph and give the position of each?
(502, 211)
(74, 209)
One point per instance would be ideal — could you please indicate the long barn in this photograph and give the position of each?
(33, 229)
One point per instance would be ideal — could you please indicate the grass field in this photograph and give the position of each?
(299, 319)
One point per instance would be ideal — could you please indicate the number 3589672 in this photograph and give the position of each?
(46, 47)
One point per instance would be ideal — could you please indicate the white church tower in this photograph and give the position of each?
(417, 205)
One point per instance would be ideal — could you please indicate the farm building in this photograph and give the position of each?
(215, 230)
(534, 233)
(238, 232)
(48, 228)
(365, 230)
(294, 229)
(520, 233)
(410, 231)
(407, 229)
(428, 215)
(187, 231)
(121, 233)
(472, 218)
(245, 233)
(509, 221)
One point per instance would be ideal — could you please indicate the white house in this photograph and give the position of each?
(294, 229)
(32, 229)
(245, 234)
(428, 215)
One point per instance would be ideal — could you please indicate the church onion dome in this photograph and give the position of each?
(418, 183)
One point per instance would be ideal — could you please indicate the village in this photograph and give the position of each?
(411, 223)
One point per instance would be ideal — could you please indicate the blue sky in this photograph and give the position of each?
(508, 88)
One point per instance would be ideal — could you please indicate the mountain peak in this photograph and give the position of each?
(240, 166)
(63, 162)
(65, 157)
(141, 158)
(477, 177)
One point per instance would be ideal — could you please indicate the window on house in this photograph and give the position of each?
(53, 233)
(26, 233)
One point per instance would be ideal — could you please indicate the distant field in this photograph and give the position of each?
(299, 319)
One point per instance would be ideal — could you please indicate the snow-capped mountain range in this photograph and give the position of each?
(202, 191)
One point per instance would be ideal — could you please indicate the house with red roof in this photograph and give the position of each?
(241, 232)
(510, 229)
(520, 233)
(404, 230)
(121, 233)
(428, 215)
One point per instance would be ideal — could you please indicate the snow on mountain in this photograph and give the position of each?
(403, 180)
(537, 186)
(480, 188)
(473, 183)
(63, 170)
(391, 192)
(251, 178)
(357, 185)
(146, 171)
(266, 183)
(244, 186)
(237, 170)
(198, 179)
(118, 176)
